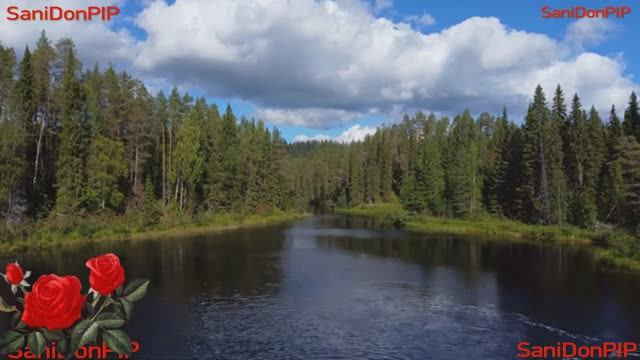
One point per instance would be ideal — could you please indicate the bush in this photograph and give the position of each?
(396, 218)
(624, 245)
(542, 236)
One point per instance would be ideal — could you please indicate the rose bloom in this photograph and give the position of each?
(106, 273)
(54, 303)
(14, 274)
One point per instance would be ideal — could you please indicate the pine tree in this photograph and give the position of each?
(74, 143)
(610, 185)
(631, 122)
(45, 137)
(188, 158)
(556, 159)
(582, 206)
(536, 189)
(497, 166)
(93, 89)
(463, 181)
(630, 199)
(106, 169)
(151, 211)
(7, 65)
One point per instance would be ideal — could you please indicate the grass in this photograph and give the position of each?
(72, 231)
(615, 249)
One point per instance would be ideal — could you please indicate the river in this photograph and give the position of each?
(340, 287)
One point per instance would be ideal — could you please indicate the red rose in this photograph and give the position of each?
(14, 274)
(55, 302)
(106, 273)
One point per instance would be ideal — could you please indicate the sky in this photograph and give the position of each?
(321, 69)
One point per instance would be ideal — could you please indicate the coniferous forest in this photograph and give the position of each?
(82, 142)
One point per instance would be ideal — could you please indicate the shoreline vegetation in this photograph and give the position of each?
(82, 231)
(611, 247)
(90, 153)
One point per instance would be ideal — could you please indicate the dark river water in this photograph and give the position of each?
(337, 287)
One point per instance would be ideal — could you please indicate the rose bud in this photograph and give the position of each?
(106, 273)
(54, 303)
(15, 276)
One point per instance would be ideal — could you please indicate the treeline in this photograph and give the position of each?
(560, 166)
(77, 142)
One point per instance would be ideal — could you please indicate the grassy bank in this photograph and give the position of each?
(612, 248)
(43, 234)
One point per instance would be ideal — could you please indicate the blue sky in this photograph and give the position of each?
(339, 69)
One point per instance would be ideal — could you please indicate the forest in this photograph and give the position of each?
(84, 143)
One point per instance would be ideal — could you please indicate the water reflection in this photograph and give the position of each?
(341, 287)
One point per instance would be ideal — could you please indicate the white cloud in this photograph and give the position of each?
(586, 32)
(355, 133)
(425, 19)
(305, 138)
(380, 5)
(96, 41)
(313, 117)
(322, 63)
(318, 63)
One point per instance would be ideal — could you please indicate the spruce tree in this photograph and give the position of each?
(610, 185)
(497, 166)
(631, 122)
(582, 207)
(151, 211)
(71, 175)
(556, 158)
(462, 173)
(630, 199)
(536, 189)
(7, 65)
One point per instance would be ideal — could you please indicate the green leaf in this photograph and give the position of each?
(127, 307)
(4, 307)
(11, 342)
(62, 346)
(85, 332)
(36, 342)
(15, 320)
(53, 335)
(136, 289)
(8, 337)
(109, 320)
(118, 341)
(119, 291)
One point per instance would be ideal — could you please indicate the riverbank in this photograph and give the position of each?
(615, 249)
(46, 234)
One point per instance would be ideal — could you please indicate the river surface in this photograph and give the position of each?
(339, 287)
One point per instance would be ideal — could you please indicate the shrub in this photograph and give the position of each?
(396, 218)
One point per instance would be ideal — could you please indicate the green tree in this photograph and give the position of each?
(463, 183)
(630, 165)
(151, 212)
(535, 162)
(582, 208)
(631, 122)
(106, 171)
(74, 142)
(610, 185)
(7, 65)
(497, 166)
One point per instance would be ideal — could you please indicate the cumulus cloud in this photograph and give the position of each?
(380, 5)
(354, 134)
(323, 63)
(96, 40)
(425, 19)
(586, 32)
(311, 117)
(318, 63)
